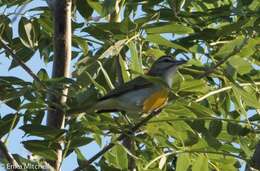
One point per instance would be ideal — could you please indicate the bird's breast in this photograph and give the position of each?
(145, 100)
(156, 100)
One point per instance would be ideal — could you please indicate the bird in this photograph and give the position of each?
(141, 95)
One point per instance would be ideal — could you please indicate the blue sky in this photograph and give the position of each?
(35, 63)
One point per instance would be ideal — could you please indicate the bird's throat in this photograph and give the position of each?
(169, 75)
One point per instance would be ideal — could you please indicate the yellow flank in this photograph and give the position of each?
(155, 101)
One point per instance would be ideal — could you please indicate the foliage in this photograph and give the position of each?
(211, 122)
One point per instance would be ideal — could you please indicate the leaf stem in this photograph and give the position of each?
(9, 157)
(193, 151)
(224, 89)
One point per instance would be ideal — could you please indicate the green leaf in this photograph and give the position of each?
(36, 104)
(254, 5)
(250, 48)
(79, 141)
(199, 126)
(28, 32)
(84, 9)
(42, 148)
(236, 129)
(191, 85)
(241, 65)
(157, 39)
(230, 46)
(24, 53)
(200, 164)
(183, 162)
(10, 80)
(136, 61)
(42, 131)
(80, 157)
(121, 157)
(249, 98)
(179, 109)
(7, 123)
(245, 147)
(212, 141)
(28, 162)
(215, 127)
(107, 78)
(10, 96)
(255, 117)
(96, 5)
(154, 52)
(46, 24)
(124, 69)
(239, 107)
(82, 43)
(43, 75)
(167, 27)
(197, 49)
(6, 32)
(127, 26)
(200, 110)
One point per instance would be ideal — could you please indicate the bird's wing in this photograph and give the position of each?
(135, 84)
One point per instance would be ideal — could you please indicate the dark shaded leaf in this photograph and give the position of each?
(168, 28)
(215, 127)
(8, 123)
(80, 141)
(84, 9)
(42, 148)
(157, 39)
(29, 32)
(42, 131)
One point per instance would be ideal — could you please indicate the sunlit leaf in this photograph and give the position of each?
(29, 32)
(183, 162)
(157, 39)
(200, 164)
(42, 131)
(168, 28)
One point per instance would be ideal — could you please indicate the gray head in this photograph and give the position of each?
(163, 65)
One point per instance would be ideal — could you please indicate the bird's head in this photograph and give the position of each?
(165, 65)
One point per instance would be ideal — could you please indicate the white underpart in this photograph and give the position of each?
(168, 76)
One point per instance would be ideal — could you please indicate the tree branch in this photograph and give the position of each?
(4, 152)
(21, 63)
(119, 138)
(61, 67)
(192, 151)
(234, 52)
(224, 89)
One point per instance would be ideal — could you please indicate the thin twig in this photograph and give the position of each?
(224, 89)
(120, 138)
(192, 151)
(145, 120)
(18, 12)
(11, 127)
(4, 152)
(21, 63)
(202, 118)
(235, 51)
(28, 70)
